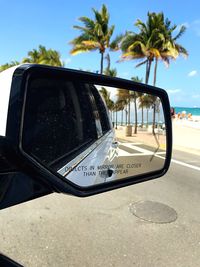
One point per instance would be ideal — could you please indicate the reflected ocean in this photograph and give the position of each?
(193, 111)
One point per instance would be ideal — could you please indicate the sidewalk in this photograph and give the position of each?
(185, 138)
(142, 136)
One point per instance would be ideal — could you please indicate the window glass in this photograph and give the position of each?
(103, 113)
(58, 120)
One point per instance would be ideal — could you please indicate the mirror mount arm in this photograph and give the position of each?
(8, 164)
(17, 185)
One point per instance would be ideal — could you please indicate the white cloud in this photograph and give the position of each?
(192, 73)
(173, 91)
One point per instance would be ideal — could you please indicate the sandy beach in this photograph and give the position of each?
(186, 135)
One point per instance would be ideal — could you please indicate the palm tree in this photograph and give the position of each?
(33, 56)
(166, 45)
(125, 96)
(105, 94)
(121, 106)
(108, 101)
(53, 58)
(135, 96)
(122, 99)
(111, 72)
(153, 42)
(111, 108)
(44, 56)
(147, 103)
(9, 65)
(114, 46)
(138, 47)
(95, 34)
(141, 105)
(117, 107)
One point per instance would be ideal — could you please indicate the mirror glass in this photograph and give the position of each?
(92, 134)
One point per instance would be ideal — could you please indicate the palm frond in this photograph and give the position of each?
(79, 49)
(104, 13)
(141, 63)
(141, 25)
(84, 29)
(182, 50)
(90, 44)
(89, 23)
(131, 55)
(181, 32)
(136, 79)
(78, 40)
(155, 52)
(98, 17)
(115, 44)
(26, 60)
(111, 30)
(98, 30)
(166, 61)
(128, 40)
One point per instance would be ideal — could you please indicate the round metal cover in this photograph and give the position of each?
(153, 212)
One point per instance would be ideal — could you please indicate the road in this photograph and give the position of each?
(59, 230)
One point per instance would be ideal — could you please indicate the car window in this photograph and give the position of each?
(63, 102)
(103, 113)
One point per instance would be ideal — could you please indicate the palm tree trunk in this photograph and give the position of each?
(155, 72)
(101, 67)
(142, 116)
(108, 60)
(111, 116)
(154, 119)
(135, 105)
(148, 69)
(147, 117)
(126, 113)
(154, 106)
(129, 112)
(146, 75)
(116, 119)
(121, 117)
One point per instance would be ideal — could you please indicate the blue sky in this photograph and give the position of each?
(26, 24)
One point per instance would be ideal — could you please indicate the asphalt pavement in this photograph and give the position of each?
(60, 230)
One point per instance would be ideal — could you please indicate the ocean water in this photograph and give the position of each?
(193, 111)
(121, 118)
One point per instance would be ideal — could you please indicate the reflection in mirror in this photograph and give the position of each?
(93, 134)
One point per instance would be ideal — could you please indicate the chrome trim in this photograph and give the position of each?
(76, 161)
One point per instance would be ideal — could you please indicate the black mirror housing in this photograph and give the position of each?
(48, 159)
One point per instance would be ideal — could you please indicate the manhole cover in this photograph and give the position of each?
(153, 212)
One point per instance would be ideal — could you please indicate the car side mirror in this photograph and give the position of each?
(81, 133)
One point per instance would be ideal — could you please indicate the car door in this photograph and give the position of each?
(94, 165)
